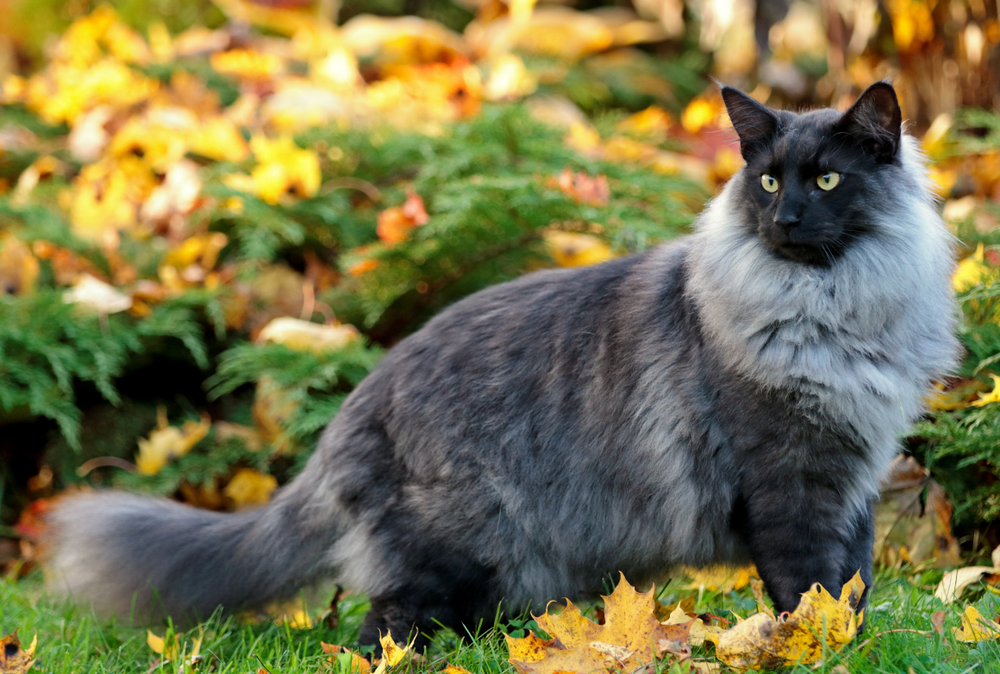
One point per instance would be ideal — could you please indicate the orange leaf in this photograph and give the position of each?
(13, 658)
(628, 640)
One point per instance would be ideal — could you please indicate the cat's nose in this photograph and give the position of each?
(787, 220)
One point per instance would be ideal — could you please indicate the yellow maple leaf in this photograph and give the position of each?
(975, 627)
(630, 639)
(698, 632)
(819, 623)
(13, 658)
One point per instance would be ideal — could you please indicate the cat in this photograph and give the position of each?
(732, 396)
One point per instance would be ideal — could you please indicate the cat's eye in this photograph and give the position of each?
(828, 180)
(769, 183)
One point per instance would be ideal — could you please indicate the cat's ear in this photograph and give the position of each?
(755, 123)
(875, 122)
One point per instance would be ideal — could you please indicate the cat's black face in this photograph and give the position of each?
(810, 183)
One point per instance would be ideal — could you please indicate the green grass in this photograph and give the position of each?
(72, 640)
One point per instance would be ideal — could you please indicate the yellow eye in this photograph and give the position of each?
(769, 183)
(828, 180)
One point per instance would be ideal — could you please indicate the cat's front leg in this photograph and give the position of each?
(802, 533)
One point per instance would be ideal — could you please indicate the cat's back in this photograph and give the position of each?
(555, 358)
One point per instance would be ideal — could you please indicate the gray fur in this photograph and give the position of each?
(706, 402)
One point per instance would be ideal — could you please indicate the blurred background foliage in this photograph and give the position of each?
(217, 214)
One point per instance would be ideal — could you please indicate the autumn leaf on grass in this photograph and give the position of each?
(167, 442)
(294, 613)
(698, 631)
(976, 628)
(392, 653)
(954, 582)
(172, 649)
(820, 623)
(13, 658)
(339, 655)
(630, 638)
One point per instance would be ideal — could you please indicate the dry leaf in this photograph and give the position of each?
(249, 488)
(719, 578)
(97, 295)
(167, 442)
(300, 335)
(13, 658)
(292, 613)
(19, 268)
(570, 249)
(392, 653)
(954, 582)
(454, 669)
(358, 664)
(394, 224)
(625, 641)
(762, 642)
(975, 627)
(698, 631)
(909, 529)
(173, 650)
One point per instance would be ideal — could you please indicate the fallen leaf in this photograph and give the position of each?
(13, 658)
(168, 442)
(97, 295)
(394, 224)
(582, 187)
(173, 650)
(719, 578)
(571, 249)
(627, 640)
(913, 518)
(356, 663)
(698, 631)
(300, 335)
(454, 669)
(293, 613)
(391, 652)
(249, 488)
(975, 627)
(954, 582)
(19, 268)
(820, 622)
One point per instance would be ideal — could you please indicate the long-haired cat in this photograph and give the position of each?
(733, 396)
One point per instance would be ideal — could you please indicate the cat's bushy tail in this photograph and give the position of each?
(145, 557)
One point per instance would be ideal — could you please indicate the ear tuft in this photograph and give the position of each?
(875, 121)
(755, 123)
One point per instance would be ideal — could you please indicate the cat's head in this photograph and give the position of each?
(812, 180)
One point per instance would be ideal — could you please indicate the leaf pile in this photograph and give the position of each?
(633, 639)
